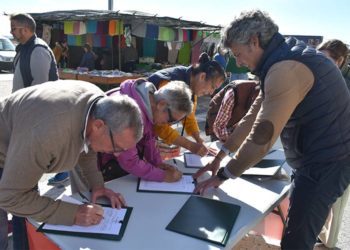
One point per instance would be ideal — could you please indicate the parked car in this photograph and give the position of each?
(7, 54)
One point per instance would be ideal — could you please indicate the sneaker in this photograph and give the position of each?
(58, 178)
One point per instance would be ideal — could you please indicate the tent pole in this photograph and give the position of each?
(119, 52)
(110, 4)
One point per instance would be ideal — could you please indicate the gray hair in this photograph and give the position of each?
(24, 19)
(178, 96)
(119, 112)
(248, 24)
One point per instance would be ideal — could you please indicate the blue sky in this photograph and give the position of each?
(330, 19)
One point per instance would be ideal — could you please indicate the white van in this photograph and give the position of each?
(7, 54)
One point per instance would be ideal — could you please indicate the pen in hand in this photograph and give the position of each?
(99, 208)
(100, 215)
(86, 200)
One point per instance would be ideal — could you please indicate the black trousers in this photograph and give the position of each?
(314, 190)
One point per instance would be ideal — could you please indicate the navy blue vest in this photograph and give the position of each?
(318, 131)
(178, 73)
(25, 53)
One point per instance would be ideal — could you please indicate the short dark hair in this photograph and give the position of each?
(212, 69)
(24, 19)
(87, 46)
(336, 49)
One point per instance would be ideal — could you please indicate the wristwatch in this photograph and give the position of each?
(221, 175)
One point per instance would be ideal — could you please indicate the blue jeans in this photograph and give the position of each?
(20, 240)
(3, 230)
(314, 190)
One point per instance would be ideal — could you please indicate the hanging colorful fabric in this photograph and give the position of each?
(102, 27)
(97, 40)
(166, 34)
(152, 31)
(71, 40)
(82, 28)
(180, 35)
(76, 26)
(68, 27)
(103, 41)
(195, 35)
(185, 35)
(127, 35)
(149, 47)
(138, 28)
(115, 27)
(184, 54)
(90, 40)
(196, 51)
(109, 41)
(80, 40)
(91, 26)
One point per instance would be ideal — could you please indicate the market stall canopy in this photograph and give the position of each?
(126, 16)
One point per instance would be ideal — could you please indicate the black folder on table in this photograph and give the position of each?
(266, 167)
(205, 219)
(106, 236)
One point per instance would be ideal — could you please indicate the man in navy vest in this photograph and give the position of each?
(305, 101)
(34, 62)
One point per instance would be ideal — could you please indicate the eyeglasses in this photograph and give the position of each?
(171, 119)
(14, 28)
(115, 151)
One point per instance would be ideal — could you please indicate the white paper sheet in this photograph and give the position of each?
(193, 160)
(185, 184)
(262, 171)
(110, 224)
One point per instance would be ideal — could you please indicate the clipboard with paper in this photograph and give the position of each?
(112, 226)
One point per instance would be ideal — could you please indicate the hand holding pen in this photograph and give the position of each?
(172, 173)
(88, 214)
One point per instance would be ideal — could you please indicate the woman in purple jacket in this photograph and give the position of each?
(168, 105)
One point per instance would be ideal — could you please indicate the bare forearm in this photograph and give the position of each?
(197, 137)
(184, 142)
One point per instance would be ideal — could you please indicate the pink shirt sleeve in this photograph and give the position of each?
(131, 162)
